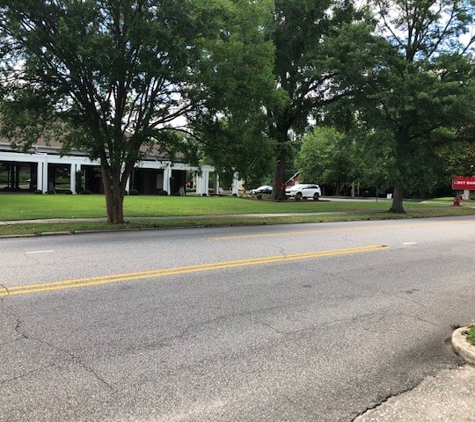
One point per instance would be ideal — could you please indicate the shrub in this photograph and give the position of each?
(85, 192)
(162, 192)
(38, 192)
(133, 192)
(259, 196)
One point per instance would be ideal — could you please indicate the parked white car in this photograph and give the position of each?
(303, 190)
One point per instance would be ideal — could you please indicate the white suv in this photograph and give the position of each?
(304, 191)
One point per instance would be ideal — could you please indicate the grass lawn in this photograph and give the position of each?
(186, 212)
(471, 335)
(33, 207)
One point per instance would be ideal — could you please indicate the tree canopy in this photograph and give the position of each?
(417, 86)
(318, 45)
(110, 76)
(399, 89)
(247, 78)
(323, 159)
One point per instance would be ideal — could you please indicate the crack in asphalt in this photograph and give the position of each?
(384, 399)
(26, 374)
(419, 319)
(8, 316)
(281, 250)
(74, 359)
(2, 286)
(265, 324)
(187, 331)
(254, 318)
(412, 300)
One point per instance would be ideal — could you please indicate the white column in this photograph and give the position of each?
(167, 174)
(45, 173)
(39, 176)
(72, 178)
(199, 184)
(466, 195)
(236, 184)
(127, 182)
(216, 184)
(205, 181)
(202, 181)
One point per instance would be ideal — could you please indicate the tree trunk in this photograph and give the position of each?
(279, 174)
(282, 137)
(114, 191)
(397, 207)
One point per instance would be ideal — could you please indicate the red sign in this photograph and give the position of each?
(463, 183)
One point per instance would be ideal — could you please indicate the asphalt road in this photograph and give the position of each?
(314, 322)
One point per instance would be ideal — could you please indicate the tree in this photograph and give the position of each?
(459, 154)
(331, 157)
(110, 76)
(418, 85)
(323, 158)
(239, 147)
(317, 44)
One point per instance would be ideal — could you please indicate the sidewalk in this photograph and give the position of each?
(449, 396)
(187, 217)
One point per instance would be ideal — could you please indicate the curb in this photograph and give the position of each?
(462, 346)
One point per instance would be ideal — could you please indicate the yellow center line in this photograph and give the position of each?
(343, 229)
(95, 281)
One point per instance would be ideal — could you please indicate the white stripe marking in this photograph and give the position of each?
(410, 243)
(32, 252)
